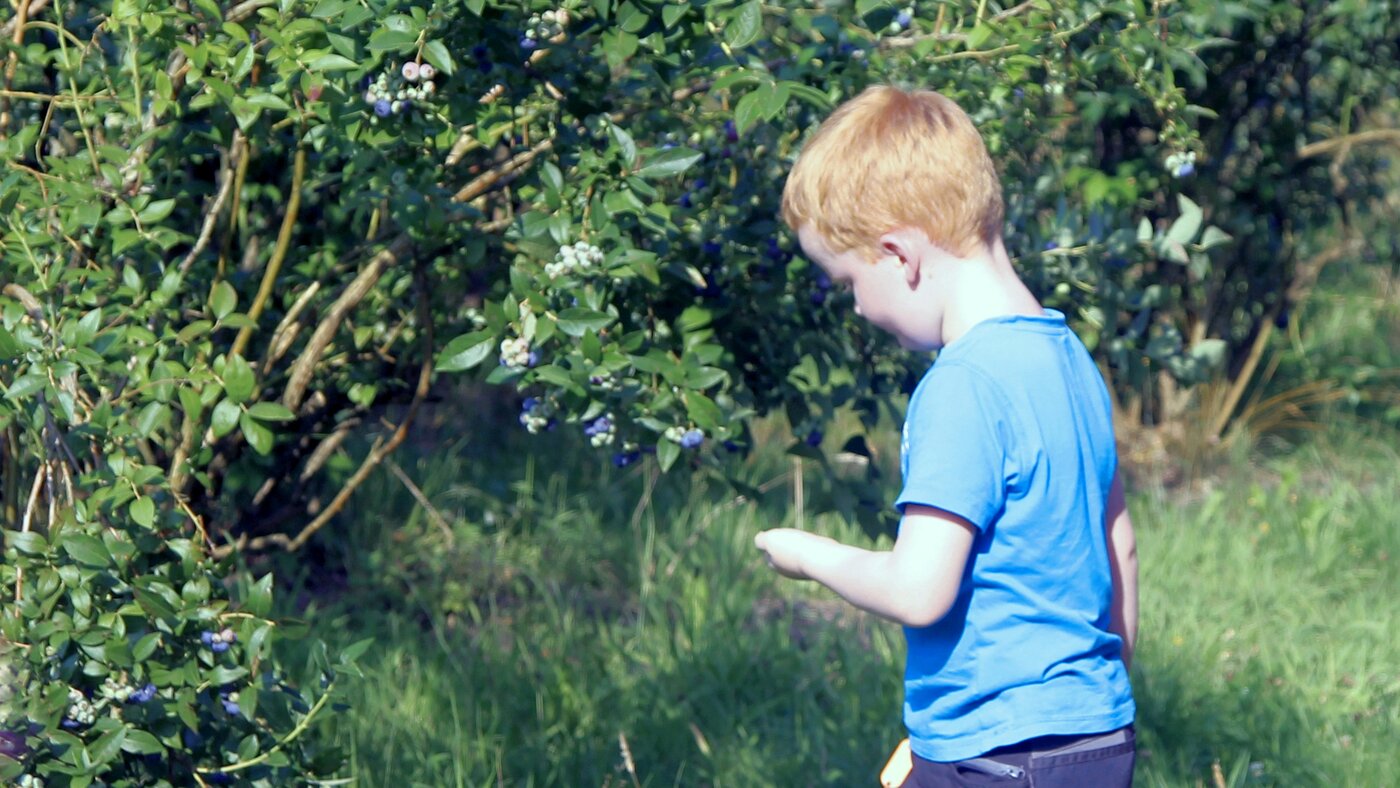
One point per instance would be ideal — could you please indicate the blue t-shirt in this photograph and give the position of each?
(1012, 429)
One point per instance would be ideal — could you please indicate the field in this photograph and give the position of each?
(550, 620)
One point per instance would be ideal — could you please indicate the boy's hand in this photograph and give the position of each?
(785, 549)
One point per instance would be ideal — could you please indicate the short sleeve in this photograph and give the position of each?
(954, 445)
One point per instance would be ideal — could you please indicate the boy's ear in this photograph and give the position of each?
(910, 247)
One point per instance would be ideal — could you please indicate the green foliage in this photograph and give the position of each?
(231, 234)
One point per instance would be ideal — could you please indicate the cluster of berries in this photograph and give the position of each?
(536, 415)
(902, 21)
(601, 431)
(1182, 163)
(823, 287)
(81, 711)
(516, 353)
(603, 382)
(218, 642)
(30, 781)
(687, 438)
(121, 692)
(413, 82)
(548, 26)
(578, 257)
(629, 454)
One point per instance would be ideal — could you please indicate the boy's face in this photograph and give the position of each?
(885, 293)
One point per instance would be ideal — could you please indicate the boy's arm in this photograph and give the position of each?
(1122, 556)
(915, 584)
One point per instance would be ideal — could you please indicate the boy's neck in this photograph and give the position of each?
(986, 286)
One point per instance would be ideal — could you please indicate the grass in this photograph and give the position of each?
(555, 621)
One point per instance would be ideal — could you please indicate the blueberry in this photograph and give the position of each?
(383, 108)
(528, 43)
(530, 404)
(624, 458)
(533, 359)
(823, 281)
(12, 745)
(1020, 93)
(143, 694)
(814, 438)
(230, 706)
(711, 248)
(692, 439)
(904, 18)
(700, 183)
(1051, 245)
(818, 297)
(685, 201)
(206, 637)
(731, 132)
(218, 647)
(1185, 170)
(732, 447)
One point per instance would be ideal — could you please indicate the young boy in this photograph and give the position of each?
(1014, 571)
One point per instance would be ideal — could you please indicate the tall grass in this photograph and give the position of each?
(554, 621)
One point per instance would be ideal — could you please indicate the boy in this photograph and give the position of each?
(1014, 571)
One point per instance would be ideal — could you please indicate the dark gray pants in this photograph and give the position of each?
(1101, 760)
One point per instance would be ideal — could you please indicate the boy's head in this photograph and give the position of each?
(891, 159)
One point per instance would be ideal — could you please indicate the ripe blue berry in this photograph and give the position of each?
(731, 132)
(1186, 169)
(692, 439)
(624, 458)
(143, 694)
(904, 18)
(818, 297)
(218, 647)
(1051, 245)
(206, 637)
(528, 44)
(230, 706)
(814, 438)
(383, 108)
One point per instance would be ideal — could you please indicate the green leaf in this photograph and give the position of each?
(145, 647)
(140, 742)
(9, 346)
(745, 25)
(223, 300)
(1183, 230)
(86, 549)
(466, 351)
(667, 453)
(631, 18)
(270, 411)
(672, 13)
(436, 53)
(666, 163)
(1214, 236)
(26, 385)
(152, 416)
(576, 321)
(157, 599)
(625, 143)
(157, 210)
(264, 100)
(143, 511)
(238, 379)
(750, 108)
(259, 437)
(385, 39)
(106, 747)
(28, 542)
(227, 675)
(332, 62)
(226, 415)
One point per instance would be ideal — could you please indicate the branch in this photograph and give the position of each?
(377, 453)
(236, 152)
(286, 331)
(279, 253)
(12, 63)
(483, 182)
(305, 364)
(1323, 147)
(35, 6)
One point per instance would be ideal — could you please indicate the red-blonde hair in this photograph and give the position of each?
(891, 158)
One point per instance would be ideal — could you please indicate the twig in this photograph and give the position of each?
(21, 18)
(326, 448)
(35, 6)
(297, 731)
(246, 9)
(627, 762)
(284, 335)
(423, 501)
(305, 364)
(24, 527)
(377, 453)
(212, 217)
(1347, 140)
(279, 253)
(483, 182)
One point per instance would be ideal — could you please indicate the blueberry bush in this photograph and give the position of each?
(234, 235)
